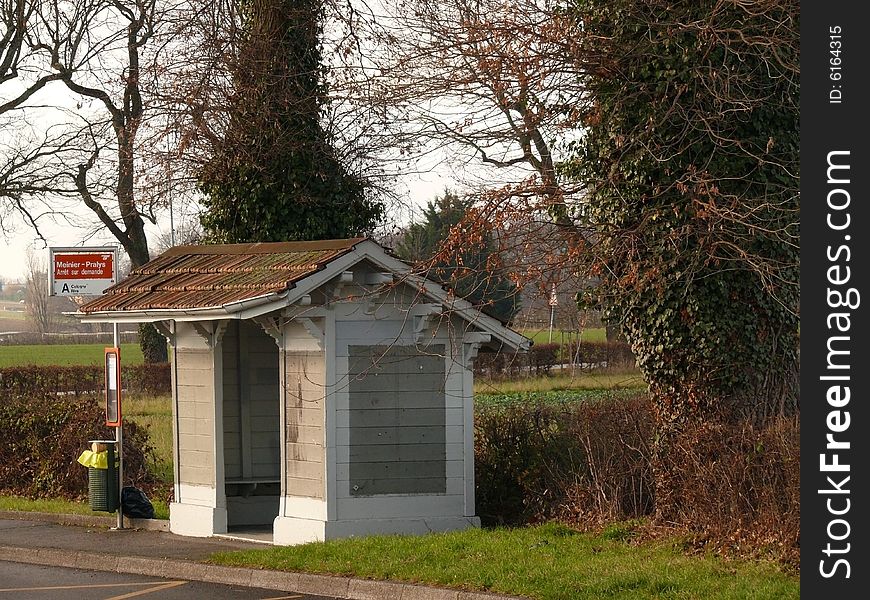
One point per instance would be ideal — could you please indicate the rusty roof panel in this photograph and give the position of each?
(210, 276)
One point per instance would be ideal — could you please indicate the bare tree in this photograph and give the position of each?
(80, 145)
(37, 294)
(492, 82)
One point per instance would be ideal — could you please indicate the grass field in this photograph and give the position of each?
(155, 413)
(542, 336)
(599, 379)
(64, 354)
(547, 562)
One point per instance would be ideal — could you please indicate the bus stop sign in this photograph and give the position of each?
(82, 271)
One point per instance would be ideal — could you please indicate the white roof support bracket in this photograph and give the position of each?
(338, 285)
(211, 331)
(471, 343)
(426, 322)
(272, 326)
(166, 329)
(315, 328)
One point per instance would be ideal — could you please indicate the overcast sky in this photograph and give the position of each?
(419, 189)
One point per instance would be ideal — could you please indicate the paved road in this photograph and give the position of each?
(21, 581)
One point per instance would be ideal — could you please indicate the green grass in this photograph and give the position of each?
(604, 379)
(155, 413)
(542, 336)
(552, 397)
(64, 354)
(67, 507)
(547, 562)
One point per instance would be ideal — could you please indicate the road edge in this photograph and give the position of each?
(346, 588)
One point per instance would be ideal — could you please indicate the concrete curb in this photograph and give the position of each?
(324, 585)
(85, 520)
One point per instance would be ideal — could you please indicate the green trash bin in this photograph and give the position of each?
(102, 475)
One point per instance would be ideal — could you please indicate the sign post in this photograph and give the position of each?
(553, 302)
(113, 411)
(113, 387)
(89, 272)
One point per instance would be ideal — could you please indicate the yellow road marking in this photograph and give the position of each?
(283, 598)
(164, 586)
(85, 587)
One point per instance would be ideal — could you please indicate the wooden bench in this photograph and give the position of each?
(253, 482)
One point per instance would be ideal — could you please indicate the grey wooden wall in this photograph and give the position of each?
(397, 420)
(195, 405)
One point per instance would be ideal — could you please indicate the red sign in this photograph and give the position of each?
(82, 271)
(83, 266)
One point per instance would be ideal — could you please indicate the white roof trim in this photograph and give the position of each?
(244, 309)
(370, 250)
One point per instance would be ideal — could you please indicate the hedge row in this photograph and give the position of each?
(151, 379)
(590, 463)
(542, 358)
(155, 379)
(43, 436)
(23, 338)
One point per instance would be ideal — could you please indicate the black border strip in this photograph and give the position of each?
(834, 259)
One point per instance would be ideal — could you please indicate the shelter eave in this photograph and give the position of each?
(243, 309)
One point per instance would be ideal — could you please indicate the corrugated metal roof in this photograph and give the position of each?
(210, 276)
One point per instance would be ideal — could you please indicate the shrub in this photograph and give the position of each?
(589, 463)
(153, 379)
(580, 462)
(740, 486)
(21, 338)
(594, 354)
(43, 435)
(77, 380)
(541, 359)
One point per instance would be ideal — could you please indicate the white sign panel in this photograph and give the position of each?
(82, 271)
(554, 299)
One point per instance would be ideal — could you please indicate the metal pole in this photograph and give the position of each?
(169, 193)
(552, 310)
(119, 436)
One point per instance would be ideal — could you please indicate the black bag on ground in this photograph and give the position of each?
(135, 504)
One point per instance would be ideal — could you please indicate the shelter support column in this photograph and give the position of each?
(199, 508)
(302, 512)
(471, 343)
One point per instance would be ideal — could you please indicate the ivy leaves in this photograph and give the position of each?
(276, 177)
(690, 158)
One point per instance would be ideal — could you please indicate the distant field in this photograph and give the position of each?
(542, 336)
(13, 315)
(64, 354)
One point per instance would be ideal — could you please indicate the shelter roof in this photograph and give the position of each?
(207, 276)
(244, 281)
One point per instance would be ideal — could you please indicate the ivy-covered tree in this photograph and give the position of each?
(472, 273)
(274, 176)
(690, 159)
